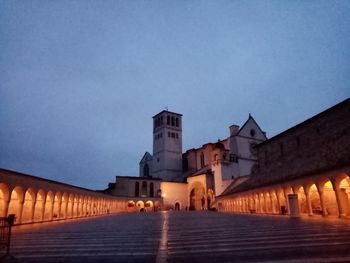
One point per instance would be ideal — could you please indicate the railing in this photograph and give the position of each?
(6, 224)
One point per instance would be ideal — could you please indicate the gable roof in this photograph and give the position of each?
(147, 154)
(255, 123)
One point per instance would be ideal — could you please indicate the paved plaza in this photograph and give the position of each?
(184, 237)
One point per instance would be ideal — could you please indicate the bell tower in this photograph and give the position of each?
(167, 145)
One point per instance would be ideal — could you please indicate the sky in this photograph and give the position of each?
(81, 80)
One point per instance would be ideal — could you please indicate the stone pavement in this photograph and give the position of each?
(184, 237)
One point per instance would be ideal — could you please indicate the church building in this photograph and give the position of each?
(190, 180)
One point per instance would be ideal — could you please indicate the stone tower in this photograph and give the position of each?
(167, 145)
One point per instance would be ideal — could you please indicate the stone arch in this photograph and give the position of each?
(75, 206)
(70, 206)
(57, 202)
(39, 205)
(197, 196)
(274, 202)
(342, 187)
(140, 206)
(64, 205)
(177, 206)
(4, 199)
(329, 205)
(302, 201)
(149, 205)
(131, 205)
(315, 200)
(48, 206)
(28, 205)
(16, 203)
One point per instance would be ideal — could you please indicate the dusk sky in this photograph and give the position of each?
(81, 80)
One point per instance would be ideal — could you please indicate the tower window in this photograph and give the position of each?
(168, 120)
(172, 121)
(177, 122)
(161, 120)
(169, 134)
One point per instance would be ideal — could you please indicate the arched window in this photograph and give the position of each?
(151, 190)
(172, 121)
(146, 170)
(177, 122)
(202, 160)
(168, 120)
(144, 188)
(137, 189)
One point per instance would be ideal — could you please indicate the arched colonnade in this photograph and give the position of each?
(326, 195)
(33, 199)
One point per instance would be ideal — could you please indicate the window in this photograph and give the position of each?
(168, 120)
(144, 188)
(233, 158)
(161, 120)
(252, 132)
(137, 189)
(146, 170)
(202, 160)
(172, 121)
(151, 190)
(169, 134)
(177, 122)
(172, 135)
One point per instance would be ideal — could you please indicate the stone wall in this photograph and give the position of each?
(317, 144)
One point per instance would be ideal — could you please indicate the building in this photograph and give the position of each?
(191, 180)
(310, 162)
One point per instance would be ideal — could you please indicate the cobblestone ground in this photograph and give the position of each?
(184, 237)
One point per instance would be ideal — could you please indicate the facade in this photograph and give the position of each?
(310, 161)
(191, 180)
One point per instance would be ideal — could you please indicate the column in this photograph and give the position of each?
(308, 200)
(278, 202)
(6, 207)
(32, 211)
(339, 203)
(265, 203)
(20, 211)
(323, 206)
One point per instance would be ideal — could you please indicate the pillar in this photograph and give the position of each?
(323, 206)
(20, 211)
(339, 203)
(32, 211)
(308, 200)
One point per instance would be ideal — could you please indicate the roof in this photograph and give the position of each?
(2, 170)
(308, 121)
(171, 112)
(257, 125)
(140, 178)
